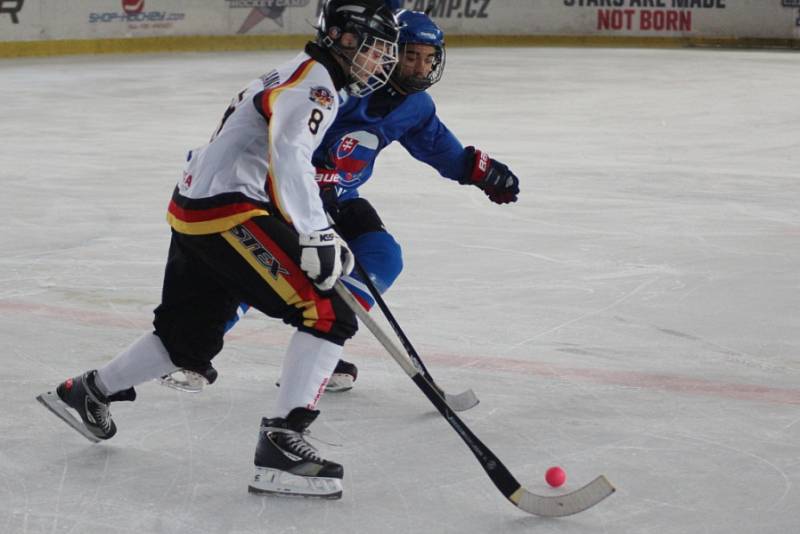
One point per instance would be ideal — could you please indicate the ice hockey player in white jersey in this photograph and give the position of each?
(248, 225)
(404, 111)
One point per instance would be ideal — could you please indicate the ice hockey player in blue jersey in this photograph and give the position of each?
(402, 111)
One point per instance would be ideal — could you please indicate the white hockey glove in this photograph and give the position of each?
(324, 257)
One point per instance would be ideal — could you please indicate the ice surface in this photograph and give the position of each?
(636, 313)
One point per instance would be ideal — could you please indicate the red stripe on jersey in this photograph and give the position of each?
(298, 281)
(209, 214)
(326, 315)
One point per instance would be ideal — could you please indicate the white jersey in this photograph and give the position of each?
(259, 159)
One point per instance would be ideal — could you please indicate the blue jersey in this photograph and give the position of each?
(365, 126)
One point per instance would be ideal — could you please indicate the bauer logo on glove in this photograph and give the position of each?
(495, 179)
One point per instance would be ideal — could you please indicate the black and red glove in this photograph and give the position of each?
(494, 178)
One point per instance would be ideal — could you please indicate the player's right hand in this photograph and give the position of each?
(324, 257)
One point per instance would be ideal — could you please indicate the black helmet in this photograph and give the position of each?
(373, 55)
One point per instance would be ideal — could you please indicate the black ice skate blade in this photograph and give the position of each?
(327, 497)
(52, 402)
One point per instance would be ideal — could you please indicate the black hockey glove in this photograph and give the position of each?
(492, 177)
(324, 257)
(328, 181)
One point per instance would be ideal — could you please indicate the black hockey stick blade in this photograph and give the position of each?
(545, 506)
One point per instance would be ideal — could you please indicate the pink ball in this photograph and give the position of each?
(555, 476)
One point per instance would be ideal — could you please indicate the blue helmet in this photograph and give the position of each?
(418, 28)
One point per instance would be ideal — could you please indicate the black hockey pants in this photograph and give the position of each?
(256, 262)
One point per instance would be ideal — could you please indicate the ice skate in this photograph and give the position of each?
(285, 464)
(342, 378)
(82, 395)
(188, 380)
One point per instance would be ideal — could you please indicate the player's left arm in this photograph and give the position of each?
(433, 143)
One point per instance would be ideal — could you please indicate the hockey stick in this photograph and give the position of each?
(459, 402)
(553, 506)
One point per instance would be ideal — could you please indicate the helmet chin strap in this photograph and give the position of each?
(405, 84)
(397, 87)
(346, 55)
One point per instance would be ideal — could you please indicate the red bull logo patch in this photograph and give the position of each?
(321, 96)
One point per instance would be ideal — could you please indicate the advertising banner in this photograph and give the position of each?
(36, 20)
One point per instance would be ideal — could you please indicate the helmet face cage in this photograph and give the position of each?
(418, 28)
(373, 58)
(372, 65)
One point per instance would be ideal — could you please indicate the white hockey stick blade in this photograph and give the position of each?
(461, 402)
(184, 380)
(563, 505)
(51, 401)
(545, 506)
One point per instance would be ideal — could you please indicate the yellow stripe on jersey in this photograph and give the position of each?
(212, 226)
(296, 78)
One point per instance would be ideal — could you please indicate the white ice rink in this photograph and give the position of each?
(636, 313)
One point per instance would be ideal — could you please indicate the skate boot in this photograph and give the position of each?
(287, 465)
(82, 395)
(343, 377)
